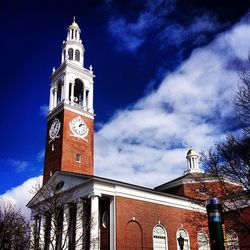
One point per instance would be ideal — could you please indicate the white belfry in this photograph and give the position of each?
(71, 83)
(192, 162)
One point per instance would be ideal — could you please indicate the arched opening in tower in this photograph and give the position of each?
(59, 92)
(78, 92)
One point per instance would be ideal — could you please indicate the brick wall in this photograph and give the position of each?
(145, 216)
(66, 147)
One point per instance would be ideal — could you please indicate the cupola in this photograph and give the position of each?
(192, 162)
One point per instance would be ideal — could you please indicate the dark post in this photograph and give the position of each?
(181, 242)
(216, 225)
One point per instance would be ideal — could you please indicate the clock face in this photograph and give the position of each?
(54, 129)
(78, 127)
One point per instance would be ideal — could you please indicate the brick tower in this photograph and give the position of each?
(70, 127)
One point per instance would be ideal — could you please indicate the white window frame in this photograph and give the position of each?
(183, 233)
(157, 235)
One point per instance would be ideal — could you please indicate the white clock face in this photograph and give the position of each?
(78, 127)
(54, 129)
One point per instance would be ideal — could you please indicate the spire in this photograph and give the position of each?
(72, 48)
(192, 162)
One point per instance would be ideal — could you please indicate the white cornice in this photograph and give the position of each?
(74, 68)
(68, 107)
(192, 180)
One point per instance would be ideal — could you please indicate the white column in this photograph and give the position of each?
(65, 232)
(90, 104)
(55, 98)
(66, 88)
(42, 230)
(84, 98)
(112, 224)
(62, 90)
(80, 225)
(32, 235)
(52, 232)
(95, 222)
(50, 99)
(72, 92)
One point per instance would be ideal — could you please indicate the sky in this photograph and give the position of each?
(166, 73)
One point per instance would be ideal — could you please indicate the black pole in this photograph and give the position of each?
(216, 225)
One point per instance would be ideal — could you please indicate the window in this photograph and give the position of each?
(159, 238)
(78, 158)
(77, 55)
(70, 54)
(203, 241)
(232, 240)
(182, 233)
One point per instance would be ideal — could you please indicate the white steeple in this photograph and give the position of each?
(192, 162)
(72, 48)
(71, 83)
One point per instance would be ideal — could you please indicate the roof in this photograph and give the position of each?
(191, 178)
(81, 180)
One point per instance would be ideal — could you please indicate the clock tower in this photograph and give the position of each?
(70, 128)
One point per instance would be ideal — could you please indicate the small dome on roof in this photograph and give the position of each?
(74, 25)
(191, 151)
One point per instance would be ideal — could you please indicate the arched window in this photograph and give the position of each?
(160, 238)
(70, 54)
(77, 55)
(232, 240)
(203, 241)
(182, 235)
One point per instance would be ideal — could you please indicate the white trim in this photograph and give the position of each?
(192, 181)
(133, 193)
(112, 224)
(68, 107)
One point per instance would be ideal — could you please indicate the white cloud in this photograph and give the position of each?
(146, 144)
(21, 194)
(131, 34)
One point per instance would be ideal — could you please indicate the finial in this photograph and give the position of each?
(91, 68)
(74, 19)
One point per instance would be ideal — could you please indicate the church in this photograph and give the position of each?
(75, 209)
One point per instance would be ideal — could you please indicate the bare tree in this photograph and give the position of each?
(61, 221)
(14, 227)
(230, 160)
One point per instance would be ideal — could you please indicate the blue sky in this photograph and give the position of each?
(166, 72)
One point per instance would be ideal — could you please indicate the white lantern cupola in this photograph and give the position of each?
(72, 48)
(192, 162)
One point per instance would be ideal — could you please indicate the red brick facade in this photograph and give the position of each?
(63, 157)
(136, 219)
(203, 190)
